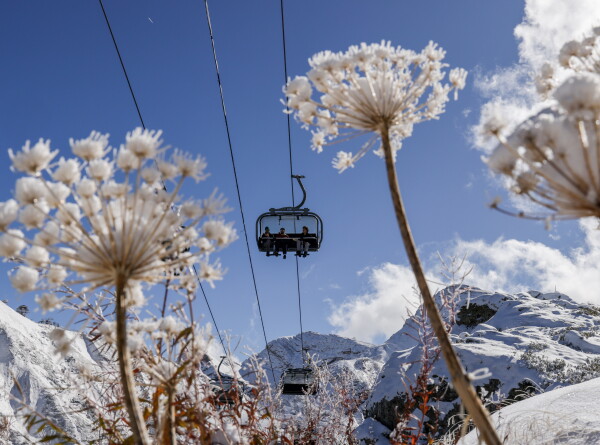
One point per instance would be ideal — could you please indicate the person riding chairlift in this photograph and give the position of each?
(302, 244)
(281, 244)
(267, 240)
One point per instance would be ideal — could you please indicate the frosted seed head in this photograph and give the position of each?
(68, 171)
(502, 161)
(57, 193)
(90, 148)
(32, 160)
(100, 170)
(189, 166)
(126, 160)
(12, 243)
(24, 279)
(29, 190)
(343, 161)
(9, 210)
(142, 143)
(569, 50)
(37, 256)
(48, 302)
(86, 187)
(56, 275)
(33, 216)
(370, 88)
(579, 95)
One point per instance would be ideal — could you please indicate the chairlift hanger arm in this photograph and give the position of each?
(299, 206)
(298, 178)
(219, 367)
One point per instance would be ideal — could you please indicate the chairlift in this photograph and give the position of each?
(299, 381)
(228, 390)
(292, 219)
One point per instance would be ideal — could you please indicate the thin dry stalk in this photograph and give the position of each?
(136, 418)
(459, 377)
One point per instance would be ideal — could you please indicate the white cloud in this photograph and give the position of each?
(382, 310)
(503, 265)
(514, 266)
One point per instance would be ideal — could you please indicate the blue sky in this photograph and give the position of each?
(61, 78)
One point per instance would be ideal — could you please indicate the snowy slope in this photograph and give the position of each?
(27, 356)
(528, 342)
(567, 415)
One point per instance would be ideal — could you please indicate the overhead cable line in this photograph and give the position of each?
(163, 183)
(137, 107)
(237, 186)
(289, 134)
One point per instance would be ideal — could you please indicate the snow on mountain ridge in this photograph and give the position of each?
(285, 353)
(27, 356)
(528, 342)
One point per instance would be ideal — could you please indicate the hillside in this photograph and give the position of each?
(31, 371)
(516, 346)
(519, 345)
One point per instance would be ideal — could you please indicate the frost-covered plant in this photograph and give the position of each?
(581, 56)
(553, 157)
(381, 92)
(371, 89)
(185, 403)
(103, 219)
(418, 417)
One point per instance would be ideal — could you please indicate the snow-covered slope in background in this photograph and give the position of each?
(529, 342)
(27, 357)
(564, 416)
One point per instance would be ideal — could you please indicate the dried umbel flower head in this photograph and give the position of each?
(575, 56)
(582, 55)
(553, 158)
(371, 89)
(102, 221)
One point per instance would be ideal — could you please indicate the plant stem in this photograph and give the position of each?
(136, 419)
(459, 377)
(171, 436)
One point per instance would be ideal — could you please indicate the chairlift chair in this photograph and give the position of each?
(299, 381)
(292, 219)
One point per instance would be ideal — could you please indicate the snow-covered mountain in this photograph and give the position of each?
(518, 345)
(363, 359)
(31, 372)
(566, 415)
(529, 343)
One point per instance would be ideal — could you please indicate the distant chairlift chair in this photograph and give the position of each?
(299, 381)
